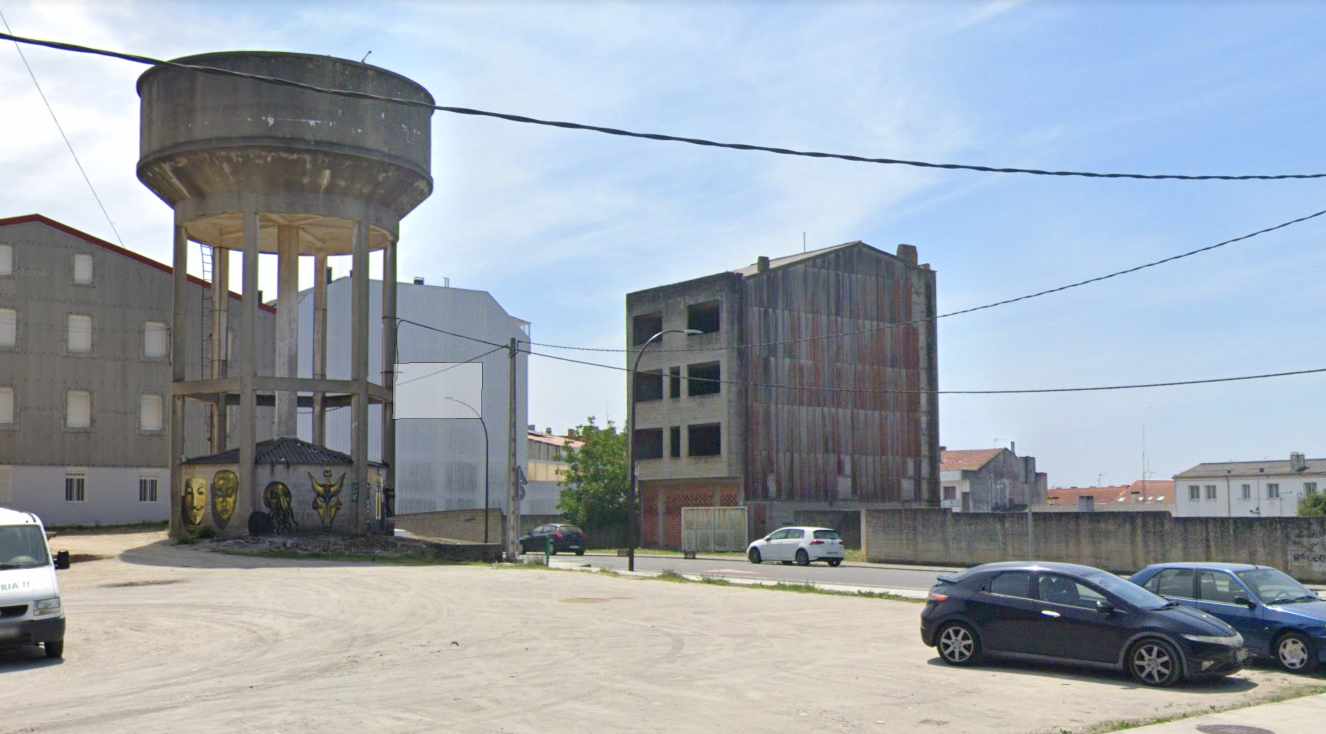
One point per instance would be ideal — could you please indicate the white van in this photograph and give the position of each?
(30, 609)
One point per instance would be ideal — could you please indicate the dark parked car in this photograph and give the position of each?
(564, 537)
(1279, 618)
(1060, 612)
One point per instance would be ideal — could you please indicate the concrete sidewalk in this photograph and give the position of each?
(834, 588)
(1287, 717)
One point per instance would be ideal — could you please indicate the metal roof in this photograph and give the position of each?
(281, 451)
(1251, 468)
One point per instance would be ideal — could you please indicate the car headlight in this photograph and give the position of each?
(46, 607)
(1234, 640)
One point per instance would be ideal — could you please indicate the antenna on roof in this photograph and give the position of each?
(803, 242)
(370, 53)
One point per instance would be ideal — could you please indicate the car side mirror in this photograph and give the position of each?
(1104, 607)
(1245, 601)
(62, 560)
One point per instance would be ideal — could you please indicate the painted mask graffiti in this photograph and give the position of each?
(326, 499)
(225, 494)
(276, 498)
(193, 501)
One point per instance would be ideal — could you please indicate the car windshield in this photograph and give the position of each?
(1275, 587)
(827, 535)
(22, 546)
(1128, 591)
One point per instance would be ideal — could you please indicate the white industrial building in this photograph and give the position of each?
(1248, 488)
(440, 463)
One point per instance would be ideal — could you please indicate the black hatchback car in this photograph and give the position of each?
(1060, 612)
(565, 538)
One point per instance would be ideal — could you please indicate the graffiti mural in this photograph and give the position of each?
(193, 501)
(326, 497)
(276, 497)
(225, 495)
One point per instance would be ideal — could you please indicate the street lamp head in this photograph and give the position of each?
(692, 332)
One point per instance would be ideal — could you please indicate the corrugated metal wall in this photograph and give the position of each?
(820, 445)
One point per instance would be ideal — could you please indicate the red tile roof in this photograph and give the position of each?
(1160, 489)
(90, 239)
(966, 459)
(555, 440)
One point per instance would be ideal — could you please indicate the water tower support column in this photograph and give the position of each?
(389, 326)
(179, 347)
(287, 326)
(248, 362)
(319, 347)
(359, 371)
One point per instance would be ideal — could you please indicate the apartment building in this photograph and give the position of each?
(1265, 488)
(765, 407)
(85, 375)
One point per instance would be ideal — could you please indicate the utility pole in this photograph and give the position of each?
(513, 471)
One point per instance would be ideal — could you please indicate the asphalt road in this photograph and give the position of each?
(852, 575)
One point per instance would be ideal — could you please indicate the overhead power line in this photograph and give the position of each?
(658, 137)
(960, 312)
(890, 391)
(59, 127)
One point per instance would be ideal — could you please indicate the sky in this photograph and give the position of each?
(560, 225)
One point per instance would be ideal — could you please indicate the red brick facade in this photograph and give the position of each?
(661, 505)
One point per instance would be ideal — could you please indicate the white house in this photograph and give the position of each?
(1248, 488)
(440, 462)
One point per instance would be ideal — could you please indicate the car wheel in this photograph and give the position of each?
(754, 556)
(1155, 663)
(835, 562)
(803, 558)
(54, 649)
(580, 552)
(1295, 654)
(958, 644)
(786, 563)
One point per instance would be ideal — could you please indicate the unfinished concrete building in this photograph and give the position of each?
(265, 168)
(770, 409)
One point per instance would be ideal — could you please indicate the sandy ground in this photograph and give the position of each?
(169, 639)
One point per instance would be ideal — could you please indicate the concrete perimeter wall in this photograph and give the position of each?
(466, 525)
(1121, 542)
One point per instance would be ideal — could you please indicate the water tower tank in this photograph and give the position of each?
(212, 146)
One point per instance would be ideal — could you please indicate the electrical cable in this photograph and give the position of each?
(1014, 391)
(658, 137)
(59, 127)
(973, 309)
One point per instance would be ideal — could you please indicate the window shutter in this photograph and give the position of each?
(155, 339)
(8, 327)
(79, 329)
(6, 259)
(83, 269)
(149, 413)
(78, 409)
(6, 405)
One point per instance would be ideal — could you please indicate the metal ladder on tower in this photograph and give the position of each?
(205, 313)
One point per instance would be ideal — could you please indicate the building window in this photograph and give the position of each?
(645, 326)
(703, 317)
(6, 406)
(1273, 491)
(149, 413)
(649, 443)
(6, 259)
(156, 339)
(1308, 487)
(648, 386)
(1194, 492)
(674, 442)
(1210, 491)
(74, 487)
(78, 328)
(704, 440)
(83, 269)
(147, 489)
(1247, 491)
(950, 493)
(78, 409)
(704, 379)
(8, 327)
(674, 382)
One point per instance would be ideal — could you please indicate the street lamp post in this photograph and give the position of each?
(632, 523)
(485, 462)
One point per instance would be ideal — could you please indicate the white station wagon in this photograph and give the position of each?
(803, 545)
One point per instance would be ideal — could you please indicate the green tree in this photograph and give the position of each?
(595, 488)
(1314, 505)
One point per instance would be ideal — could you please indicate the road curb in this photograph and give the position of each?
(832, 588)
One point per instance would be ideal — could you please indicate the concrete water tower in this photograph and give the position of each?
(261, 168)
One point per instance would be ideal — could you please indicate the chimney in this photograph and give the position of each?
(1298, 462)
(418, 280)
(762, 264)
(446, 282)
(1013, 447)
(907, 253)
(533, 428)
(329, 275)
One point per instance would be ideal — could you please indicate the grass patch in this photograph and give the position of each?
(1288, 694)
(141, 527)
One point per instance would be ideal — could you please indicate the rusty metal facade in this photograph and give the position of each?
(826, 439)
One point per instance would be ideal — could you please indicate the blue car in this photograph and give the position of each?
(1278, 617)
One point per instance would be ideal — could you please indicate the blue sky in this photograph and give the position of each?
(560, 225)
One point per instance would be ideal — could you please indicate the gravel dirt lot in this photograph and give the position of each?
(170, 639)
